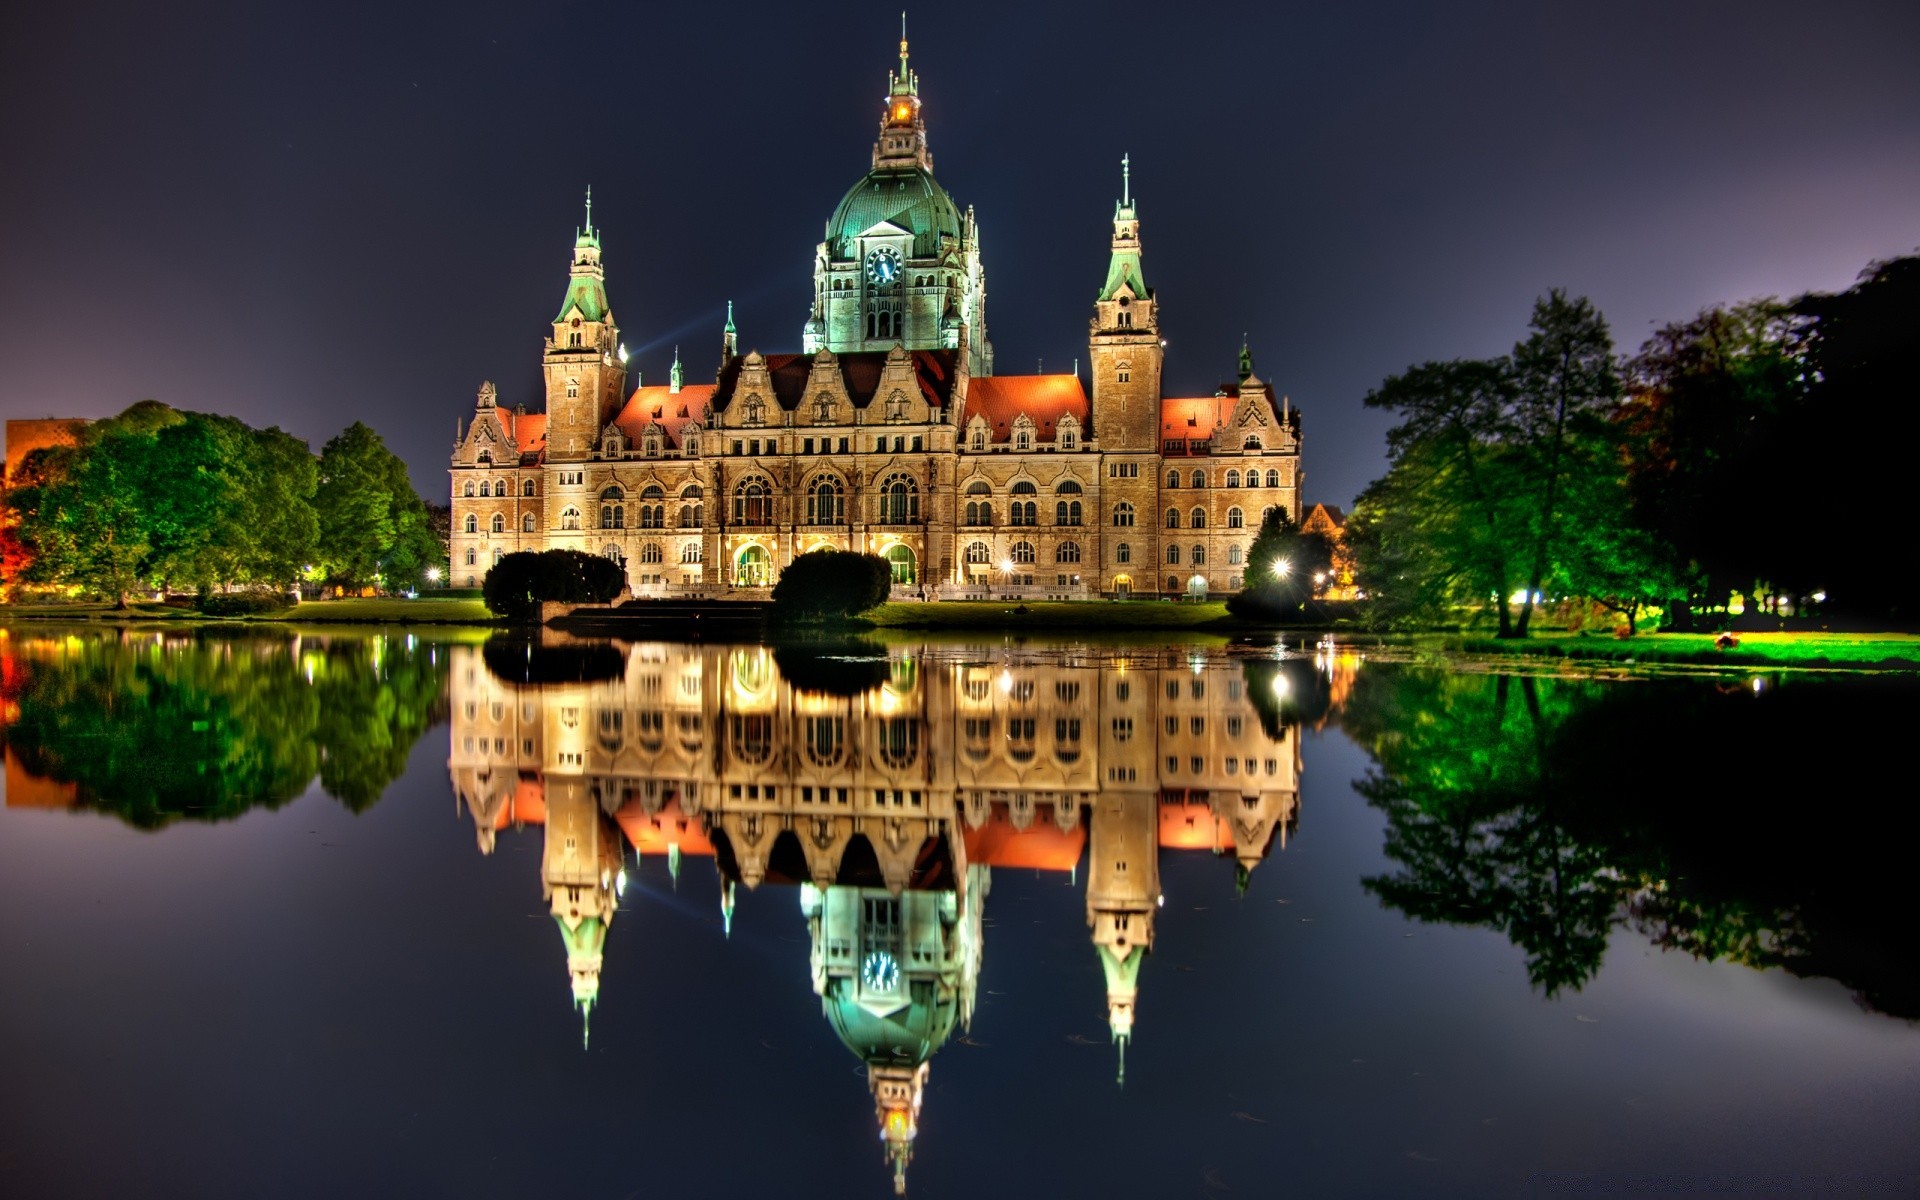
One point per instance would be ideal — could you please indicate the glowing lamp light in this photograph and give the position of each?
(1006, 564)
(433, 574)
(1281, 688)
(897, 1123)
(901, 112)
(1280, 568)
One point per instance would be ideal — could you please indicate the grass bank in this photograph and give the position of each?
(1073, 616)
(1885, 651)
(351, 611)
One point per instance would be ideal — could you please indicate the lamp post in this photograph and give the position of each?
(1006, 570)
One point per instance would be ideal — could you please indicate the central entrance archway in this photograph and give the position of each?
(901, 559)
(752, 567)
(1123, 586)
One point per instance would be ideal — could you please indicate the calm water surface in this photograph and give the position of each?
(386, 915)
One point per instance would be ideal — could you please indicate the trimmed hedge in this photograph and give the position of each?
(832, 583)
(250, 603)
(521, 582)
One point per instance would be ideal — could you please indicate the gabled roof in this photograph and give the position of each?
(1324, 518)
(861, 370)
(528, 431)
(660, 405)
(1000, 399)
(1194, 416)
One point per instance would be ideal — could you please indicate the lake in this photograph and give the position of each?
(456, 915)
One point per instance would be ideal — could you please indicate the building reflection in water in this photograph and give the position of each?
(885, 786)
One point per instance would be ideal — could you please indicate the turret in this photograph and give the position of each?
(903, 134)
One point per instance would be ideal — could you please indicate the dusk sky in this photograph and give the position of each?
(308, 215)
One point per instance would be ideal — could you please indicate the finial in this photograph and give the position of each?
(730, 328)
(589, 210)
(1126, 180)
(1122, 1080)
(903, 44)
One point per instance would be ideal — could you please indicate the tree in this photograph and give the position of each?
(520, 583)
(372, 525)
(832, 583)
(1282, 565)
(1565, 389)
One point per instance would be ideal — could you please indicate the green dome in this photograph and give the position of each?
(907, 1037)
(910, 199)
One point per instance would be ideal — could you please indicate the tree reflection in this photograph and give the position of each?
(161, 727)
(1554, 810)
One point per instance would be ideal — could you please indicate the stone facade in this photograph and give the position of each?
(888, 433)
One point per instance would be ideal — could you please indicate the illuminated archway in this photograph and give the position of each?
(752, 567)
(901, 559)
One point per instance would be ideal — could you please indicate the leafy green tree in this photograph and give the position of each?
(1566, 389)
(832, 583)
(372, 525)
(86, 519)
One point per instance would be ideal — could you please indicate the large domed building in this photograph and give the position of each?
(888, 432)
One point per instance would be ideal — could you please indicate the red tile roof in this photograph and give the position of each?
(1000, 399)
(659, 405)
(528, 431)
(1194, 417)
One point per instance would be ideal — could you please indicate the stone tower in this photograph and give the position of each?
(1125, 341)
(585, 375)
(1123, 890)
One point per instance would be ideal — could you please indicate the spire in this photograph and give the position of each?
(589, 210)
(726, 907)
(1123, 268)
(903, 136)
(729, 338)
(673, 864)
(675, 377)
(905, 76)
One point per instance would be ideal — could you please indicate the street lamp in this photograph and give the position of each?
(1006, 572)
(1280, 568)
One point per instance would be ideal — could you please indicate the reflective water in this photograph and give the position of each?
(316, 916)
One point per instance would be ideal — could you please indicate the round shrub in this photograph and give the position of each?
(521, 582)
(832, 583)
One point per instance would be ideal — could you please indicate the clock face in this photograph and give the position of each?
(880, 972)
(883, 267)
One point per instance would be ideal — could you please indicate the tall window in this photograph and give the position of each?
(1199, 520)
(899, 501)
(1173, 518)
(473, 523)
(526, 523)
(1123, 553)
(526, 488)
(1023, 552)
(499, 523)
(1235, 519)
(1199, 557)
(1273, 479)
(650, 553)
(1173, 556)
(826, 502)
(1234, 556)
(1123, 514)
(753, 502)
(1233, 479)
(1199, 479)
(569, 518)
(1066, 512)
(1173, 479)
(486, 488)
(978, 554)
(1068, 552)
(690, 553)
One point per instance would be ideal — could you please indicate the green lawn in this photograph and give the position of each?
(385, 610)
(1078, 616)
(1890, 650)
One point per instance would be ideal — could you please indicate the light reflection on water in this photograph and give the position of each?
(1099, 828)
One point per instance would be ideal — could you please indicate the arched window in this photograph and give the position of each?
(1173, 556)
(979, 512)
(469, 488)
(499, 523)
(526, 488)
(1199, 520)
(691, 492)
(1173, 479)
(610, 551)
(979, 487)
(753, 502)
(977, 553)
(473, 523)
(690, 553)
(569, 518)
(1199, 478)
(471, 556)
(1123, 514)
(754, 411)
(1024, 488)
(1173, 518)
(1173, 583)
(826, 501)
(899, 500)
(1068, 487)
(1067, 552)
(1066, 512)
(650, 553)
(1023, 552)
(1234, 556)
(526, 523)
(1233, 479)
(1252, 442)
(1273, 479)
(1235, 519)
(977, 439)
(1123, 553)
(1199, 556)
(486, 488)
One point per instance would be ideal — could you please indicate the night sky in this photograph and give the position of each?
(305, 216)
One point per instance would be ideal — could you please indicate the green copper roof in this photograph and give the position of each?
(910, 199)
(587, 294)
(904, 1038)
(1124, 267)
